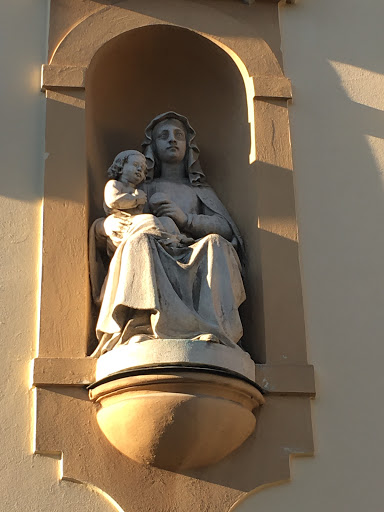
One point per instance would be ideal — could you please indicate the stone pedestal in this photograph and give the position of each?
(176, 404)
(175, 351)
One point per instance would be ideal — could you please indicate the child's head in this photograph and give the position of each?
(128, 166)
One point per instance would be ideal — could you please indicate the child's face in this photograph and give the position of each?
(133, 170)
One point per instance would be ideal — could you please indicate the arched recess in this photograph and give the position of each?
(259, 66)
(157, 68)
(268, 182)
(259, 196)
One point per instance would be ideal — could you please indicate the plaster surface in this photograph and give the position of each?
(337, 131)
(333, 55)
(27, 482)
(32, 482)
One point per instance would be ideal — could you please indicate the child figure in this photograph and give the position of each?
(122, 198)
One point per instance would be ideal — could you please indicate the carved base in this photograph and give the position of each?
(176, 419)
(175, 351)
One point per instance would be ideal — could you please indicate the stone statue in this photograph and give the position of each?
(122, 198)
(175, 271)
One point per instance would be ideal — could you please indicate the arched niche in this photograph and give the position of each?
(82, 137)
(263, 205)
(158, 68)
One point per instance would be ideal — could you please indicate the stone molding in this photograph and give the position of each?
(272, 87)
(172, 402)
(72, 77)
(79, 46)
(53, 77)
(274, 379)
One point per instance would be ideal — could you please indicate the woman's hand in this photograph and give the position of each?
(170, 209)
(141, 196)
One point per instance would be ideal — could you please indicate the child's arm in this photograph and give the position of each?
(116, 197)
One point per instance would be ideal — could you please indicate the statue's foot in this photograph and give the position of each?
(211, 338)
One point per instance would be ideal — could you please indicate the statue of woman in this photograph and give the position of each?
(178, 279)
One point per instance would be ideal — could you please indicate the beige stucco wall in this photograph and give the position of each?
(27, 483)
(333, 52)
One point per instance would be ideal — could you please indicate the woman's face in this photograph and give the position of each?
(170, 140)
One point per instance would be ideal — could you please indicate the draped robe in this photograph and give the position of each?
(187, 291)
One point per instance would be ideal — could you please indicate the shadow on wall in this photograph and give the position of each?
(338, 169)
(334, 55)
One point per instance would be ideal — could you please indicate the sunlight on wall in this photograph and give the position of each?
(376, 145)
(250, 93)
(107, 497)
(366, 88)
(361, 85)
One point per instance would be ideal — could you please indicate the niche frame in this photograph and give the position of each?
(62, 367)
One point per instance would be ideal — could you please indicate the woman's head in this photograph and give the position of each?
(169, 141)
(170, 138)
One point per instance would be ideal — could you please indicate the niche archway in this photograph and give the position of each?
(79, 46)
(157, 68)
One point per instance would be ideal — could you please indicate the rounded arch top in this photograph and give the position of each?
(251, 54)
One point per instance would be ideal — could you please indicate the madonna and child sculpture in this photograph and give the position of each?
(175, 271)
(169, 323)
